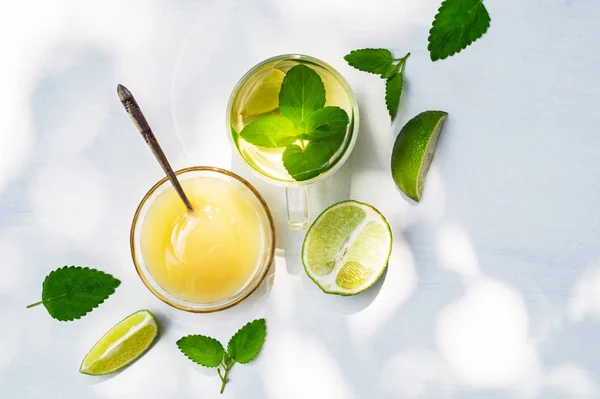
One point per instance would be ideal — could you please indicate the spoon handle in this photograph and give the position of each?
(134, 111)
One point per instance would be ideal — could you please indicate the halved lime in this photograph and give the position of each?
(413, 152)
(347, 248)
(123, 344)
(265, 95)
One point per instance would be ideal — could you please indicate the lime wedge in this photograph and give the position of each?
(413, 152)
(347, 248)
(265, 95)
(124, 343)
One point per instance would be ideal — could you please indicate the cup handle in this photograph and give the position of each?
(297, 207)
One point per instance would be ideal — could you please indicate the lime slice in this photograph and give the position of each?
(347, 248)
(265, 96)
(124, 343)
(413, 152)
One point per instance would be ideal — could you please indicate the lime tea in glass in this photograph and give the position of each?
(293, 119)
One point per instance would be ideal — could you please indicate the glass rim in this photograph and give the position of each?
(266, 265)
(355, 118)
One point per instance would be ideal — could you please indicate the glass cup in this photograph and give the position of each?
(265, 259)
(268, 162)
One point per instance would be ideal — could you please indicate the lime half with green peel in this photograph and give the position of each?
(265, 95)
(347, 248)
(413, 152)
(123, 344)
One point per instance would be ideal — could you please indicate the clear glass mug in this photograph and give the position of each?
(267, 162)
(264, 262)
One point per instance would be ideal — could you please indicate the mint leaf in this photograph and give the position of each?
(270, 131)
(305, 163)
(70, 292)
(457, 24)
(205, 351)
(301, 94)
(372, 60)
(245, 345)
(326, 122)
(393, 92)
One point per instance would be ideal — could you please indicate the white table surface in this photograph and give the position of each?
(493, 289)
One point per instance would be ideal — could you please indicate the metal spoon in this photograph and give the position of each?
(134, 111)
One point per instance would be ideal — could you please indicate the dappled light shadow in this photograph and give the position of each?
(15, 263)
(585, 301)
(315, 298)
(492, 288)
(417, 373)
(306, 369)
(571, 381)
(456, 253)
(371, 141)
(399, 284)
(488, 326)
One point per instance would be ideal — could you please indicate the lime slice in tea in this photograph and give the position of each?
(413, 152)
(265, 96)
(347, 248)
(123, 344)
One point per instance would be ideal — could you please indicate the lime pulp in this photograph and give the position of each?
(265, 95)
(123, 344)
(347, 248)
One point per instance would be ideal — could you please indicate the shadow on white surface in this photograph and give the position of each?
(306, 369)
(493, 279)
(585, 302)
(571, 381)
(417, 373)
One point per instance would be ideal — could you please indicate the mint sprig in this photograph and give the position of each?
(310, 132)
(380, 61)
(457, 24)
(70, 292)
(243, 347)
